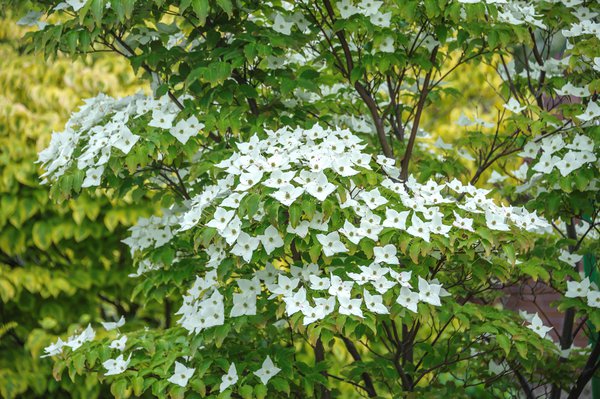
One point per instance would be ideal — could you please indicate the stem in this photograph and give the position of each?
(320, 357)
(365, 376)
(416, 120)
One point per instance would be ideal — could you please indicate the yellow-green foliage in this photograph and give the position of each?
(55, 260)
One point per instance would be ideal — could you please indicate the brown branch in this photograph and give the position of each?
(415, 123)
(369, 387)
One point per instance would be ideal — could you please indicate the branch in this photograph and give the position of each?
(365, 376)
(416, 120)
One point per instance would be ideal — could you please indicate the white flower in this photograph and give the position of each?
(162, 119)
(577, 289)
(370, 7)
(395, 219)
(267, 371)
(591, 112)
(331, 243)
(496, 178)
(352, 233)
(408, 299)
(496, 221)
(373, 198)
(93, 176)
(221, 219)
(181, 375)
(375, 303)
(271, 239)
(382, 20)
(387, 45)
(383, 285)
(279, 179)
(281, 25)
(296, 302)
(429, 293)
(54, 349)
(287, 194)
(593, 299)
(110, 325)
(76, 4)
(418, 228)
(229, 379)
(184, 129)
(462, 223)
(350, 306)
(538, 326)
(243, 304)
(284, 286)
(571, 259)
(347, 9)
(119, 343)
(116, 366)
(514, 106)
(249, 178)
(340, 288)
(75, 341)
(386, 254)
(319, 283)
(320, 188)
(245, 246)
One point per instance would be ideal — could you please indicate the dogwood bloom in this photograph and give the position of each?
(271, 239)
(245, 246)
(429, 293)
(593, 299)
(514, 106)
(181, 375)
(408, 299)
(538, 326)
(331, 243)
(119, 344)
(350, 306)
(229, 379)
(108, 326)
(577, 289)
(243, 304)
(418, 228)
(375, 303)
(116, 366)
(386, 254)
(267, 371)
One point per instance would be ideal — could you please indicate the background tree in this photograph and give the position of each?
(62, 266)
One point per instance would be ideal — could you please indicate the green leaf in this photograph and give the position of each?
(226, 6)
(200, 8)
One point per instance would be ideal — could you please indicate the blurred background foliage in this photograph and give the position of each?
(61, 265)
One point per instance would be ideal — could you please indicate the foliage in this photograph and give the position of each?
(56, 261)
(268, 200)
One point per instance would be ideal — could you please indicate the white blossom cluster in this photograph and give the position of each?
(151, 232)
(320, 163)
(547, 153)
(101, 126)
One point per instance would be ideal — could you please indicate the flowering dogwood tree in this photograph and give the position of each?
(316, 240)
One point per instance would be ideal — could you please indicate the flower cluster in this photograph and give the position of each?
(101, 126)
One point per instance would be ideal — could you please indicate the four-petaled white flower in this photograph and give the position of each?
(229, 379)
(331, 243)
(267, 371)
(181, 375)
(111, 325)
(116, 366)
(408, 299)
(538, 326)
(386, 254)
